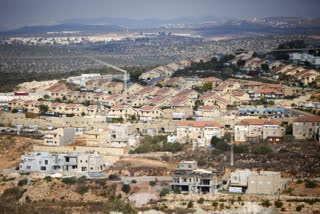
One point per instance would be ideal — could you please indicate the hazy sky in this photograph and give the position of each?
(16, 13)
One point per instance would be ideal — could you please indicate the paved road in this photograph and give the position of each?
(143, 178)
(298, 112)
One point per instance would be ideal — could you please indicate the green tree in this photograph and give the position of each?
(126, 188)
(214, 141)
(271, 102)
(262, 100)
(265, 67)
(164, 192)
(43, 108)
(289, 129)
(241, 63)
(134, 76)
(197, 103)
(207, 86)
(46, 96)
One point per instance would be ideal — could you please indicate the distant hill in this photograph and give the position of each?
(143, 23)
(62, 27)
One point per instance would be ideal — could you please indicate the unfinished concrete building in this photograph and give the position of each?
(190, 180)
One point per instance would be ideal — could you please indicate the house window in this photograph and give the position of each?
(46, 162)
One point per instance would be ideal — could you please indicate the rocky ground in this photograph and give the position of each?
(12, 147)
(290, 158)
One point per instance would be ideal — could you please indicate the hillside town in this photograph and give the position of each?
(197, 131)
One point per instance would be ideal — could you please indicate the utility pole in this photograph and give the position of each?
(231, 155)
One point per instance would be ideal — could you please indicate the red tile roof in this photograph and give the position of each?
(147, 108)
(158, 99)
(112, 97)
(172, 80)
(56, 104)
(278, 69)
(28, 102)
(184, 93)
(13, 101)
(221, 87)
(147, 89)
(253, 83)
(206, 95)
(162, 91)
(178, 100)
(220, 99)
(258, 122)
(303, 119)
(238, 93)
(201, 124)
(301, 73)
(92, 107)
(71, 105)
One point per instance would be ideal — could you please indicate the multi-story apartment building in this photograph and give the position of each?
(199, 133)
(255, 129)
(59, 137)
(120, 135)
(93, 164)
(304, 127)
(188, 179)
(149, 113)
(41, 162)
(207, 113)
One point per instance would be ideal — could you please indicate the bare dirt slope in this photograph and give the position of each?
(136, 166)
(11, 149)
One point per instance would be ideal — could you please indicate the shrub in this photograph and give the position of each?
(14, 191)
(311, 184)
(261, 150)
(200, 201)
(299, 208)
(126, 188)
(265, 203)
(152, 183)
(28, 200)
(240, 148)
(216, 152)
(278, 204)
(190, 204)
(71, 180)
(134, 181)
(164, 192)
(48, 178)
(299, 181)
(202, 162)
(82, 179)
(82, 189)
(114, 177)
(221, 145)
(288, 191)
(22, 182)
